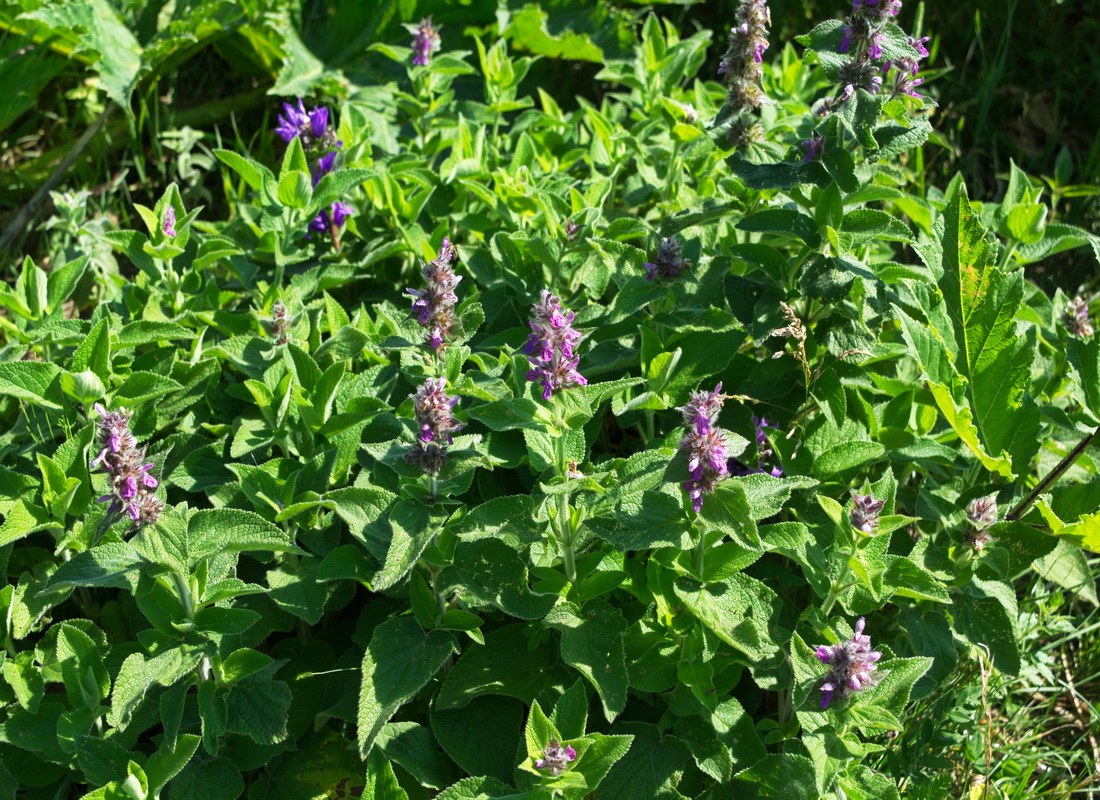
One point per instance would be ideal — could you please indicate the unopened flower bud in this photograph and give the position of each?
(981, 513)
(865, 511)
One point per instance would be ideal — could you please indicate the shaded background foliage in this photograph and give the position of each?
(1014, 80)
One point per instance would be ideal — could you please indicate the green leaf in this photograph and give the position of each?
(93, 28)
(787, 775)
(141, 386)
(108, 564)
(592, 643)
(62, 281)
(642, 521)
(32, 381)
(399, 660)
(652, 767)
(487, 572)
(507, 664)
(257, 708)
(255, 174)
(25, 679)
(512, 413)
(381, 782)
(982, 618)
(481, 737)
(962, 420)
(1084, 355)
(167, 762)
(295, 190)
(871, 223)
(147, 331)
(138, 674)
(86, 680)
(22, 520)
(211, 531)
(414, 524)
(207, 780)
(298, 590)
(738, 610)
(845, 456)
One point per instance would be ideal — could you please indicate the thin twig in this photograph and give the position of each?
(1051, 477)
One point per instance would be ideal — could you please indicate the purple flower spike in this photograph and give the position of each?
(550, 346)
(425, 42)
(742, 63)
(434, 305)
(851, 666)
(121, 459)
(705, 444)
(814, 147)
(169, 222)
(1076, 318)
(865, 511)
(555, 758)
(668, 264)
(432, 409)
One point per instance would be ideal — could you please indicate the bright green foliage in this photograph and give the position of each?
(321, 610)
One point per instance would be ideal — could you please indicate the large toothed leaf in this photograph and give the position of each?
(399, 660)
(97, 35)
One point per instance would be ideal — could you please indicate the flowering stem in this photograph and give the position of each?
(839, 585)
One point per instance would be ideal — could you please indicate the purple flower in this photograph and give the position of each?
(982, 512)
(742, 61)
(292, 121)
(121, 459)
(322, 167)
(851, 666)
(310, 126)
(330, 220)
(1076, 317)
(814, 147)
(280, 322)
(550, 346)
(432, 407)
(425, 42)
(434, 304)
(705, 444)
(169, 221)
(555, 758)
(668, 263)
(865, 511)
(318, 122)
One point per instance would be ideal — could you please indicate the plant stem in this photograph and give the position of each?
(185, 595)
(563, 528)
(1051, 477)
(838, 585)
(700, 551)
